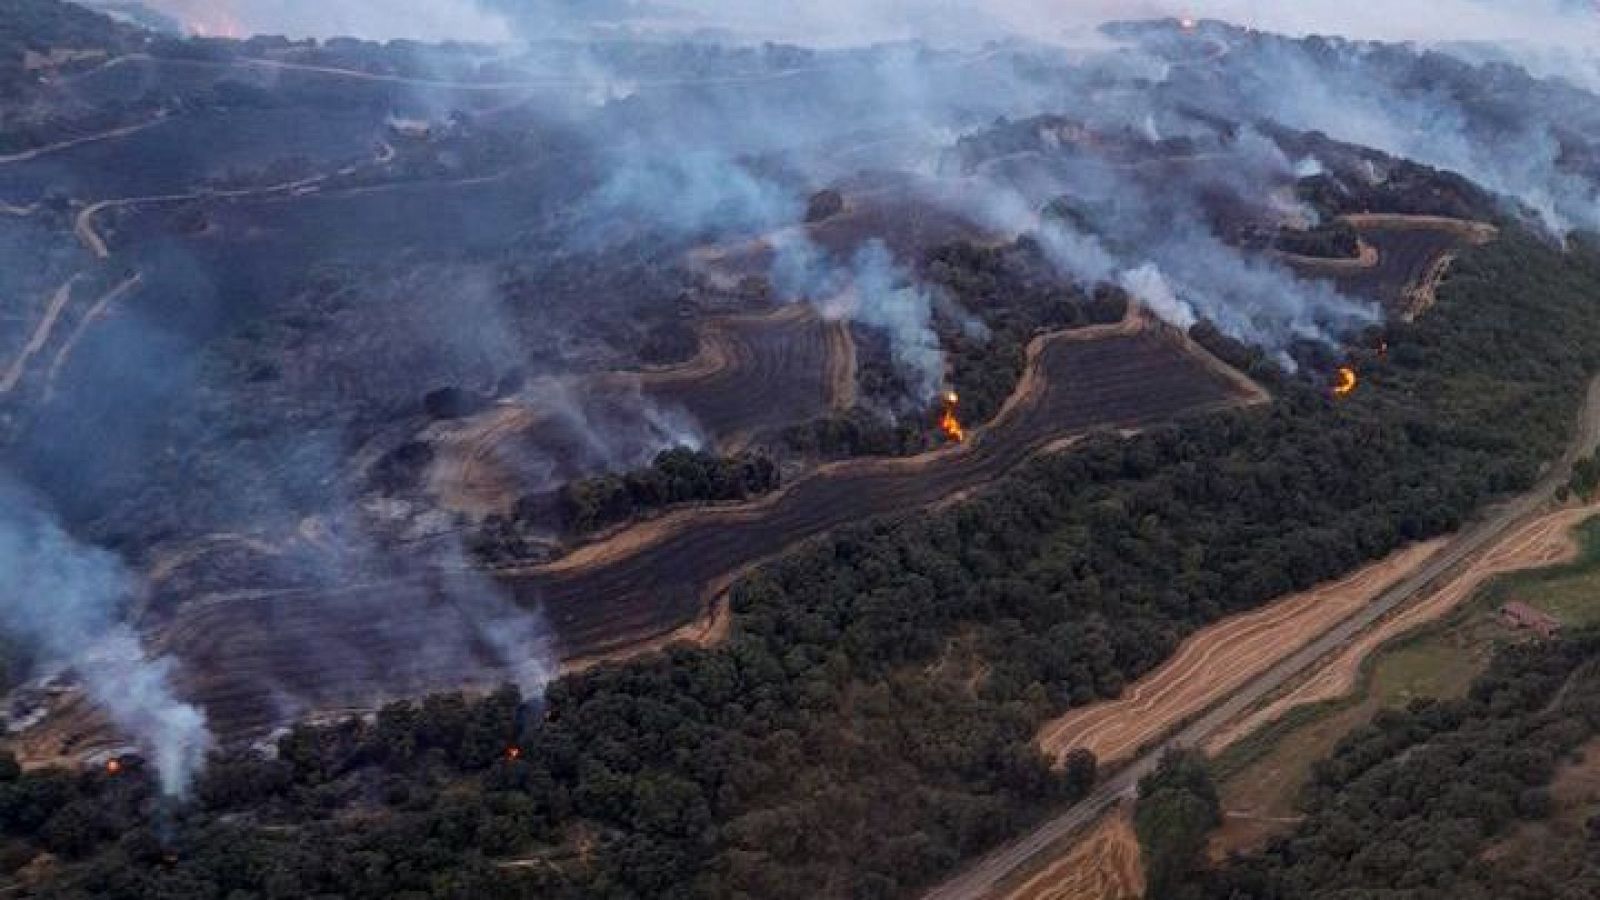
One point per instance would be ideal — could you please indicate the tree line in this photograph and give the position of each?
(868, 724)
(1407, 805)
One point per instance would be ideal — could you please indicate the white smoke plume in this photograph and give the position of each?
(870, 290)
(1536, 24)
(61, 600)
(689, 192)
(462, 20)
(1148, 284)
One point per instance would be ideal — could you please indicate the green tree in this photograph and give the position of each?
(1177, 808)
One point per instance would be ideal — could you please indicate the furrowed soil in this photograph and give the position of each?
(620, 596)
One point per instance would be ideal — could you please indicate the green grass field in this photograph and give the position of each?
(1263, 773)
(1571, 593)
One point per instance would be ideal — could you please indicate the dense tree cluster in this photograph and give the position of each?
(1003, 297)
(677, 477)
(1016, 294)
(1585, 477)
(1331, 240)
(869, 722)
(855, 433)
(1178, 806)
(1406, 805)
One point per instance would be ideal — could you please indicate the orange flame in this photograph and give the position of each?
(513, 754)
(1346, 385)
(113, 767)
(949, 423)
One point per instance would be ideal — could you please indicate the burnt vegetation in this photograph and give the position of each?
(757, 767)
(1001, 298)
(868, 723)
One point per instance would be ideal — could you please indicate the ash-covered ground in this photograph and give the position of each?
(287, 323)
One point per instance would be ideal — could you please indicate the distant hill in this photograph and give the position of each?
(134, 12)
(43, 26)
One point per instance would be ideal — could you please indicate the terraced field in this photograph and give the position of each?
(256, 651)
(754, 373)
(1413, 253)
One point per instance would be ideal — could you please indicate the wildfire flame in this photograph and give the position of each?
(949, 423)
(1347, 381)
(1188, 23)
(113, 767)
(513, 754)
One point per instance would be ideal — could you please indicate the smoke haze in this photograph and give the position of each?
(1565, 23)
(62, 601)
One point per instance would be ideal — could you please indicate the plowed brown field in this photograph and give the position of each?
(1104, 865)
(1545, 541)
(250, 655)
(1214, 662)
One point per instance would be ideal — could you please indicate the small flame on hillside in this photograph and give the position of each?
(1188, 23)
(1346, 382)
(113, 767)
(950, 423)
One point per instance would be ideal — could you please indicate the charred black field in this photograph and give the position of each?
(314, 324)
(671, 463)
(644, 582)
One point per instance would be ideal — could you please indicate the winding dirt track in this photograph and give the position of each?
(753, 373)
(983, 878)
(41, 335)
(111, 135)
(1398, 271)
(95, 313)
(1412, 255)
(245, 653)
(95, 243)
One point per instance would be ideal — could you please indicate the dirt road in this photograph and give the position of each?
(113, 134)
(41, 335)
(984, 877)
(616, 597)
(84, 225)
(96, 312)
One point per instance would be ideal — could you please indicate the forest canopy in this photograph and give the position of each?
(868, 724)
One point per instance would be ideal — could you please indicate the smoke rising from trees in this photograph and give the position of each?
(1564, 23)
(62, 602)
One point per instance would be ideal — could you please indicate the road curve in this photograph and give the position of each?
(985, 876)
(113, 134)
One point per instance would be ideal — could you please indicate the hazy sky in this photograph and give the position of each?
(1574, 23)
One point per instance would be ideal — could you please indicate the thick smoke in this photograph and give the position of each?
(692, 157)
(62, 601)
(871, 290)
(1148, 284)
(464, 20)
(1350, 93)
(1568, 24)
(1150, 237)
(612, 431)
(689, 193)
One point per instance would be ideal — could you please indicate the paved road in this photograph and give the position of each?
(984, 876)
